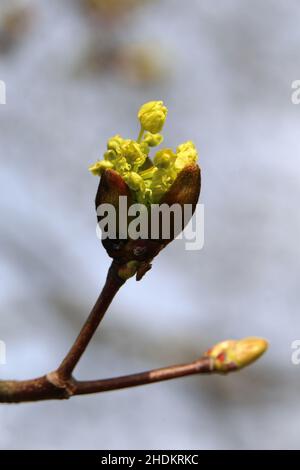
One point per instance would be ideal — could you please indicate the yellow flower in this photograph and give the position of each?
(186, 154)
(121, 165)
(115, 143)
(135, 181)
(133, 153)
(125, 154)
(114, 148)
(164, 158)
(98, 167)
(153, 140)
(236, 354)
(160, 183)
(152, 116)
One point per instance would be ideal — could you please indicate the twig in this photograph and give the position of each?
(226, 356)
(52, 387)
(60, 384)
(200, 366)
(111, 287)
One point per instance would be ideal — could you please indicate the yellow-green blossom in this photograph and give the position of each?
(115, 143)
(161, 182)
(164, 158)
(125, 154)
(98, 167)
(153, 140)
(133, 153)
(152, 116)
(122, 166)
(135, 181)
(148, 181)
(170, 165)
(186, 154)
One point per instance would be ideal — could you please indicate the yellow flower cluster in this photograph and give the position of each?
(148, 180)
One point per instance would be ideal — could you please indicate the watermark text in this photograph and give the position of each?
(2, 353)
(157, 222)
(295, 96)
(2, 92)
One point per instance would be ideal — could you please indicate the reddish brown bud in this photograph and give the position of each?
(184, 190)
(112, 186)
(186, 187)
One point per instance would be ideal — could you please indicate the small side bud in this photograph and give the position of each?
(126, 271)
(233, 355)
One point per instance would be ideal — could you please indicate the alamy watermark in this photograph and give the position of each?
(295, 96)
(295, 357)
(159, 221)
(2, 353)
(2, 92)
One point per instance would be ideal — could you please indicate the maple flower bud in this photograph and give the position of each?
(135, 181)
(186, 154)
(115, 143)
(164, 158)
(99, 167)
(232, 355)
(153, 140)
(152, 116)
(134, 154)
(127, 170)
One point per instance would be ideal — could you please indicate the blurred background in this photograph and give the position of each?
(76, 72)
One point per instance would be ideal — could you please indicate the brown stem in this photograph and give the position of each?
(60, 384)
(17, 391)
(201, 366)
(53, 386)
(111, 287)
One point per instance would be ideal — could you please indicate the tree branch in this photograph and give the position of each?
(111, 287)
(200, 366)
(224, 357)
(53, 386)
